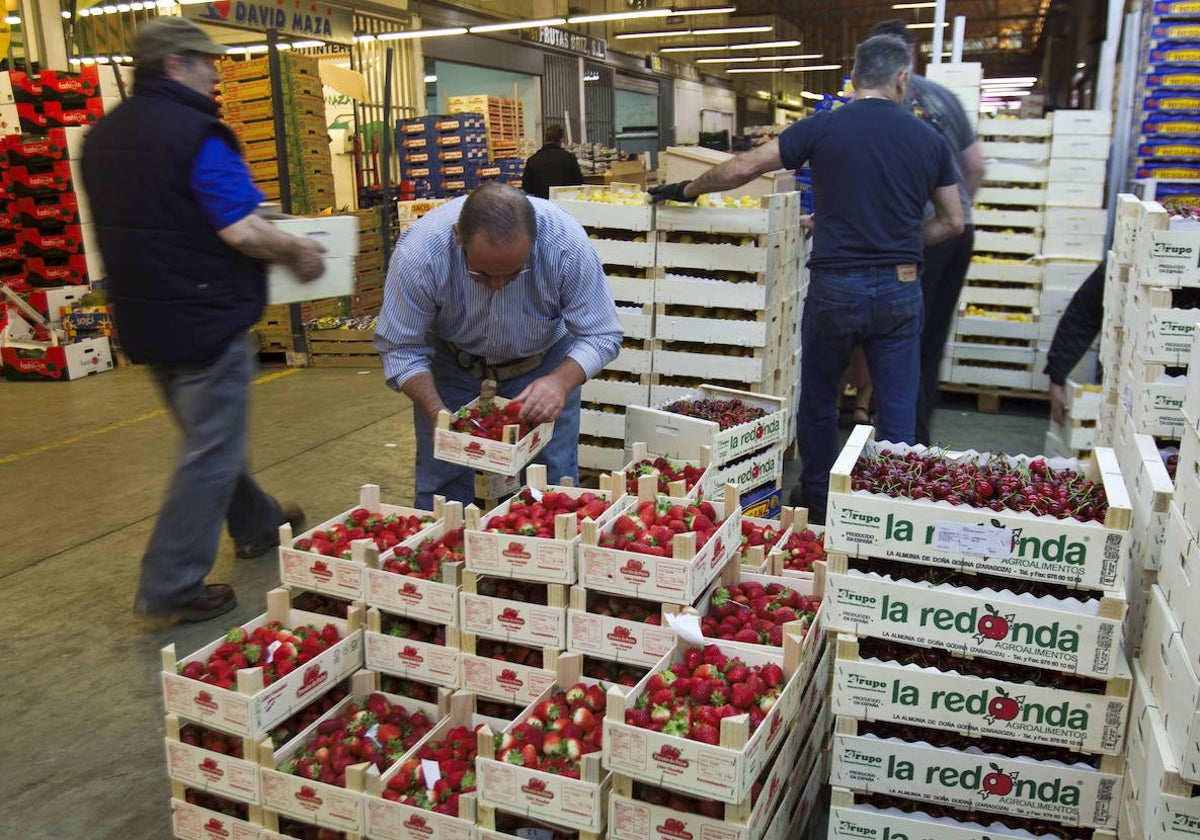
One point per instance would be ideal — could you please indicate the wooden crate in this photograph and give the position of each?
(343, 348)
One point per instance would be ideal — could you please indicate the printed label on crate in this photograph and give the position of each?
(412, 597)
(612, 638)
(321, 574)
(191, 822)
(512, 555)
(560, 800)
(513, 683)
(1076, 795)
(976, 623)
(313, 801)
(533, 624)
(1039, 548)
(873, 690)
(422, 661)
(215, 772)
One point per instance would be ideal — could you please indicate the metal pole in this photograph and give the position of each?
(960, 29)
(939, 18)
(385, 165)
(1106, 72)
(276, 72)
(1122, 144)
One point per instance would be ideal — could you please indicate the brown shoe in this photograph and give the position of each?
(293, 514)
(218, 599)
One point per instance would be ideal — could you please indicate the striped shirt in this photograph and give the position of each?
(428, 292)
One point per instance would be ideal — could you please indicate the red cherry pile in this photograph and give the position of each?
(426, 560)
(533, 517)
(667, 471)
(558, 732)
(725, 413)
(653, 527)
(802, 549)
(996, 483)
(375, 731)
(272, 646)
(751, 613)
(455, 757)
(624, 609)
(692, 698)
(488, 421)
(361, 524)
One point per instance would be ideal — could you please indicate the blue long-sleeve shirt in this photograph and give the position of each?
(428, 291)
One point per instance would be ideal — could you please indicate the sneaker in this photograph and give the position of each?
(218, 599)
(292, 514)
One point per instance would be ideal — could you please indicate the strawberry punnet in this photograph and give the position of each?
(802, 549)
(667, 471)
(375, 731)
(455, 756)
(488, 421)
(755, 614)
(272, 646)
(558, 732)
(690, 699)
(362, 524)
(533, 517)
(652, 527)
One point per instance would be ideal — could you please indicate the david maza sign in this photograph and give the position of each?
(301, 18)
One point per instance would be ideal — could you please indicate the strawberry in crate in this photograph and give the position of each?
(692, 697)
(386, 531)
(625, 608)
(488, 421)
(558, 732)
(613, 672)
(375, 731)
(758, 534)
(755, 614)
(802, 549)
(533, 515)
(276, 649)
(455, 757)
(652, 528)
(667, 471)
(426, 560)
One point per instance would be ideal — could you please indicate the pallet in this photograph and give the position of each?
(987, 398)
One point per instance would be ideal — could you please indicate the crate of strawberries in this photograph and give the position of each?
(733, 423)
(707, 722)
(258, 674)
(1053, 520)
(535, 534)
(618, 628)
(202, 816)
(488, 434)
(505, 671)
(798, 552)
(431, 792)
(323, 559)
(674, 477)
(320, 776)
(659, 548)
(412, 649)
(523, 611)
(547, 762)
(420, 578)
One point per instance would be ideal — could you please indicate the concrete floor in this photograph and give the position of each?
(83, 465)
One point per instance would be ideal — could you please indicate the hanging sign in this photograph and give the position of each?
(548, 36)
(298, 18)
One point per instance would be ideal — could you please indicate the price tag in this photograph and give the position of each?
(975, 540)
(432, 772)
(686, 627)
(270, 652)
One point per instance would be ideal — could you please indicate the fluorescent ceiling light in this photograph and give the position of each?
(1008, 81)
(807, 94)
(516, 24)
(430, 79)
(363, 39)
(926, 25)
(732, 30)
(666, 33)
(421, 33)
(646, 13)
(12, 20)
(764, 45)
(753, 70)
(717, 48)
(304, 45)
(66, 15)
(913, 5)
(800, 57)
(750, 59)
(712, 10)
(1079, 65)
(812, 67)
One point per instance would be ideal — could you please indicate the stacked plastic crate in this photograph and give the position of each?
(619, 221)
(249, 106)
(995, 335)
(1164, 762)
(980, 683)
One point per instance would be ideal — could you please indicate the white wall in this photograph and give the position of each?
(466, 80)
(689, 100)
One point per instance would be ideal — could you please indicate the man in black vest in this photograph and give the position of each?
(551, 166)
(186, 255)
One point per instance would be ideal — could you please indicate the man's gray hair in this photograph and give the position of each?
(499, 213)
(877, 61)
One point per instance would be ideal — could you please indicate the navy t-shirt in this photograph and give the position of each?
(874, 166)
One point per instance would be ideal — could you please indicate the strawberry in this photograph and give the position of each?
(584, 719)
(772, 675)
(741, 696)
(706, 734)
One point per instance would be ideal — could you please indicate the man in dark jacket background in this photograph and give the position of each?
(186, 254)
(551, 166)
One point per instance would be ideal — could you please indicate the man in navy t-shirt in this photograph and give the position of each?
(874, 168)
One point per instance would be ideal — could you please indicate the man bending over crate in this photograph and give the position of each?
(501, 286)
(874, 166)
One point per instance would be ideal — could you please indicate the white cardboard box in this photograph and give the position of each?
(1082, 122)
(339, 235)
(1094, 146)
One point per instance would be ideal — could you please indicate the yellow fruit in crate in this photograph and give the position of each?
(686, 238)
(749, 201)
(639, 239)
(746, 240)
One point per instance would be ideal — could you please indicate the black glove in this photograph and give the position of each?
(670, 192)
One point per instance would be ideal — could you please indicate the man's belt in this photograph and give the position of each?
(478, 367)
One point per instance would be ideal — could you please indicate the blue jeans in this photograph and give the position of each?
(456, 387)
(211, 485)
(845, 307)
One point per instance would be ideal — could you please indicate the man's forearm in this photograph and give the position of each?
(422, 390)
(258, 239)
(568, 375)
(938, 229)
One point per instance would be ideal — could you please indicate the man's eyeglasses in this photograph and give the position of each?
(484, 277)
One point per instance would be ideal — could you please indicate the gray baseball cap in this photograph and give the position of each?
(172, 36)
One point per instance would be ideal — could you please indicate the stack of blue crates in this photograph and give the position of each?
(805, 188)
(512, 169)
(441, 154)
